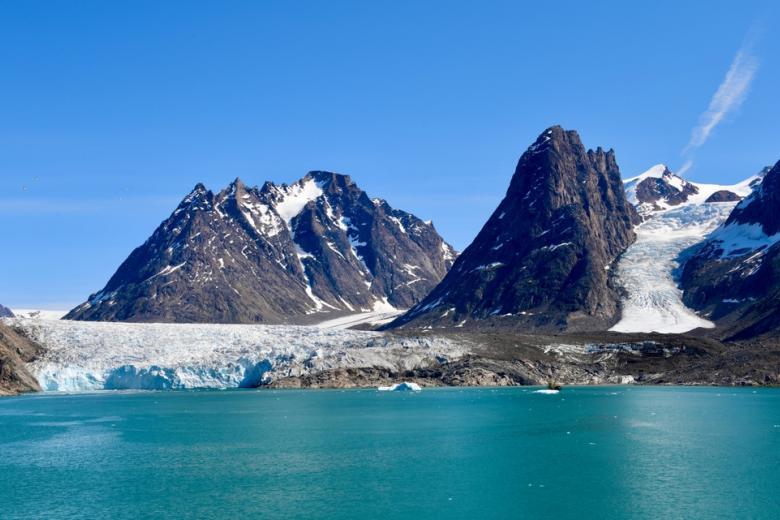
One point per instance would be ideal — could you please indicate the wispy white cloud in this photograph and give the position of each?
(729, 96)
(685, 167)
(731, 93)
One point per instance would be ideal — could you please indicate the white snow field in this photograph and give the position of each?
(82, 356)
(653, 302)
(374, 318)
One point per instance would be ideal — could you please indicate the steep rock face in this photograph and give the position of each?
(733, 276)
(15, 351)
(274, 254)
(5, 312)
(543, 259)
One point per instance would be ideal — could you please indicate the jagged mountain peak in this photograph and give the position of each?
(657, 189)
(542, 259)
(197, 194)
(274, 254)
(327, 178)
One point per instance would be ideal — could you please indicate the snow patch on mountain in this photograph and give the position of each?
(296, 197)
(737, 239)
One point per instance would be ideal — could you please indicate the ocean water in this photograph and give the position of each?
(596, 452)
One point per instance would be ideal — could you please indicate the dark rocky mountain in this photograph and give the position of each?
(723, 196)
(543, 260)
(733, 277)
(15, 352)
(5, 312)
(658, 188)
(669, 188)
(274, 254)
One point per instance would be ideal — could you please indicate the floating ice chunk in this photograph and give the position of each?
(401, 387)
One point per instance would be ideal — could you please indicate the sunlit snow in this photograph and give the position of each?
(646, 270)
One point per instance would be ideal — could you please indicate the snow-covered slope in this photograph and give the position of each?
(659, 189)
(104, 355)
(647, 270)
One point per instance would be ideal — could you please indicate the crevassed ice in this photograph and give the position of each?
(101, 355)
(646, 270)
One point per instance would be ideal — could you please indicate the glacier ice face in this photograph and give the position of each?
(107, 355)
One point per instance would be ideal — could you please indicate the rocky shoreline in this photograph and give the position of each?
(583, 359)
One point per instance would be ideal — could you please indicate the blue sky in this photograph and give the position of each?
(112, 111)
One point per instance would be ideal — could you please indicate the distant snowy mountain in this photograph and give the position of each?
(678, 214)
(5, 312)
(275, 254)
(660, 189)
(542, 261)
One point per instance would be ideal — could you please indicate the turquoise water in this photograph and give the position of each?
(447, 453)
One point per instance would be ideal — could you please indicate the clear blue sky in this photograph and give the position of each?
(111, 111)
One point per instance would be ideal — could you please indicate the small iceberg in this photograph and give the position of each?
(546, 391)
(401, 387)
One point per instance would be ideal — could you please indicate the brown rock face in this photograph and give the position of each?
(542, 261)
(274, 254)
(723, 196)
(15, 351)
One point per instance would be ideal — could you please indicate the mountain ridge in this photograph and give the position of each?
(274, 254)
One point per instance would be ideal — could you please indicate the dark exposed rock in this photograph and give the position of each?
(668, 188)
(15, 351)
(762, 206)
(542, 261)
(733, 277)
(274, 254)
(723, 196)
(5, 312)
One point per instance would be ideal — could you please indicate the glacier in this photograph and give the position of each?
(646, 271)
(87, 356)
